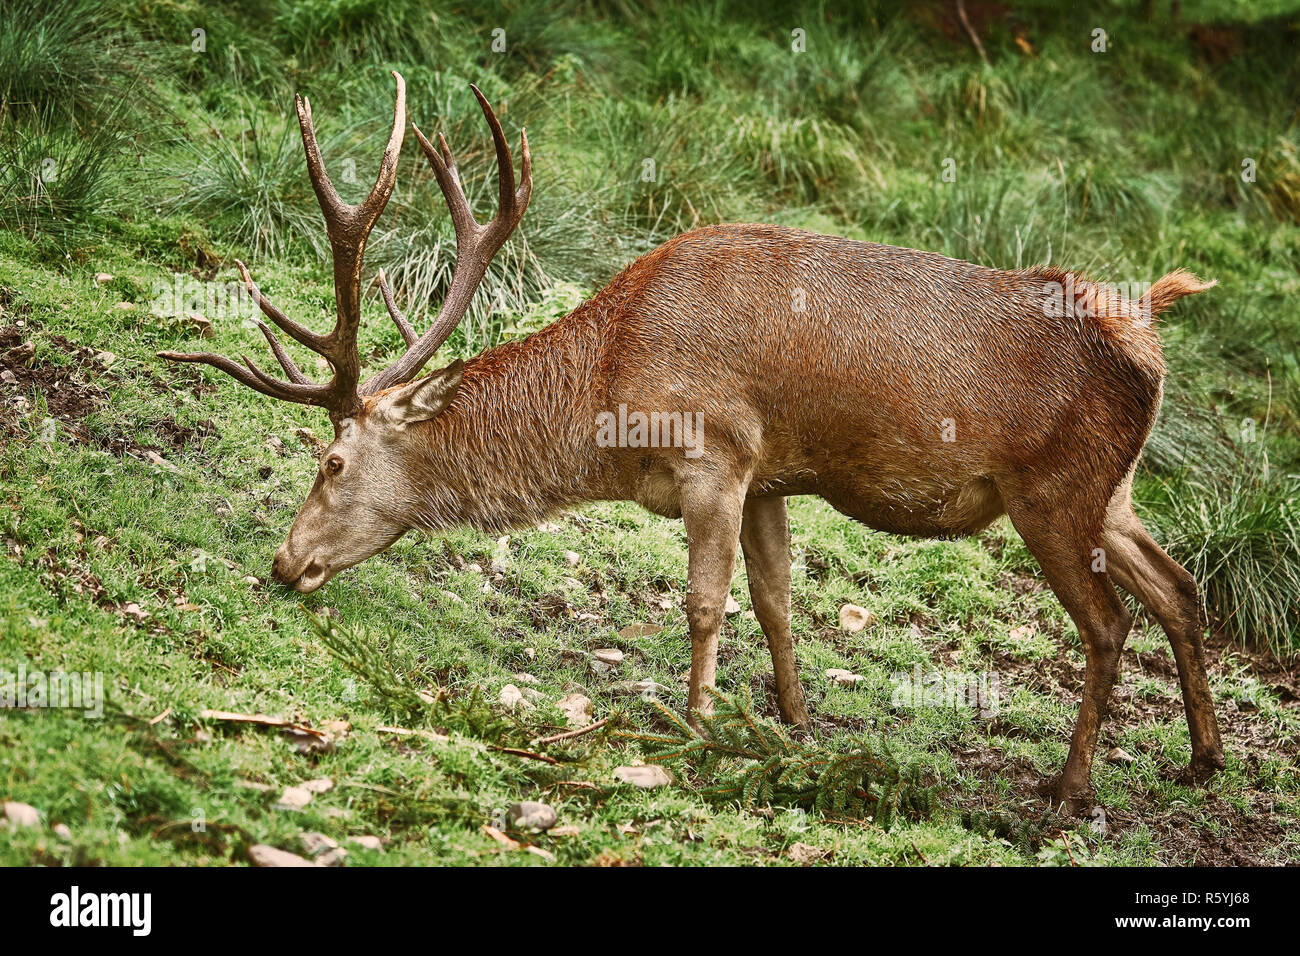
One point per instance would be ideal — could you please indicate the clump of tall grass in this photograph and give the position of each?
(1239, 535)
(253, 185)
(72, 94)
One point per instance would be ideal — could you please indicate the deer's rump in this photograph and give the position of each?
(904, 387)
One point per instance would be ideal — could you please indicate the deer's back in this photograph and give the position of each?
(898, 384)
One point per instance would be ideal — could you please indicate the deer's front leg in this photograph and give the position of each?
(712, 513)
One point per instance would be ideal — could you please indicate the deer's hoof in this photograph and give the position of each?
(1204, 766)
(1067, 800)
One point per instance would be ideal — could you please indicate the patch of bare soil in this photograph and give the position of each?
(1236, 836)
(72, 392)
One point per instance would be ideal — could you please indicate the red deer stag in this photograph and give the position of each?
(919, 394)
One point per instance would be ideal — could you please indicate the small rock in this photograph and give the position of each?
(608, 655)
(135, 612)
(576, 709)
(640, 688)
(21, 814)
(732, 606)
(531, 815)
(1117, 755)
(294, 798)
(368, 842)
(105, 358)
(125, 307)
(843, 678)
(524, 678)
(568, 830)
(633, 631)
(572, 558)
(8, 377)
(263, 855)
(321, 785)
(530, 653)
(335, 857)
(647, 778)
(512, 697)
(252, 579)
(854, 618)
(201, 324)
(317, 843)
(805, 853)
(62, 831)
(102, 277)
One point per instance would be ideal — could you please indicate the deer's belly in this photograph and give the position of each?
(922, 508)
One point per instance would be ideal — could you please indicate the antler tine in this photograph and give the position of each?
(444, 170)
(403, 326)
(305, 393)
(348, 228)
(475, 244)
(286, 362)
(300, 333)
(505, 165)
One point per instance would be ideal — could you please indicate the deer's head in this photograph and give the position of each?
(361, 500)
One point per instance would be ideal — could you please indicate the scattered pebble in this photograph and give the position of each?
(62, 831)
(294, 798)
(572, 558)
(608, 655)
(512, 697)
(21, 814)
(1118, 755)
(263, 855)
(633, 631)
(647, 778)
(531, 815)
(806, 853)
(640, 688)
(732, 606)
(854, 618)
(576, 709)
(367, 842)
(317, 843)
(843, 678)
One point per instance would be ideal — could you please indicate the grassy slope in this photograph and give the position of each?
(129, 791)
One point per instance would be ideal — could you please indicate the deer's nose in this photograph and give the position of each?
(278, 572)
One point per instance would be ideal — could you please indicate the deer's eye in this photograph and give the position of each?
(334, 464)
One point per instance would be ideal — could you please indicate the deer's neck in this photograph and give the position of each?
(517, 443)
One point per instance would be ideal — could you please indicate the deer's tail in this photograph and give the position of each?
(1170, 288)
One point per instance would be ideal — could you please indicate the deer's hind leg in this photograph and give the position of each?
(1142, 568)
(765, 539)
(1062, 537)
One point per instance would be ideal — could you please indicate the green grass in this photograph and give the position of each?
(1103, 163)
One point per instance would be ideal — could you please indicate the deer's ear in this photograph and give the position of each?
(424, 398)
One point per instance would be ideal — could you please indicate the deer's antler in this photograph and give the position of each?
(348, 228)
(475, 245)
